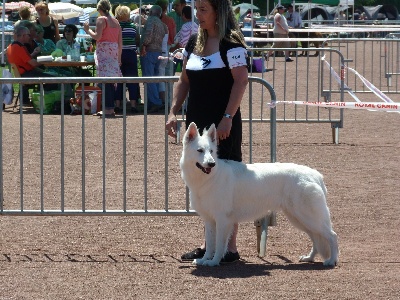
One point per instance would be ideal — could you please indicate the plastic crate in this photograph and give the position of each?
(88, 90)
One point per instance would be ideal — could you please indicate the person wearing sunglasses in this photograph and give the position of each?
(50, 25)
(33, 47)
(28, 66)
(69, 34)
(66, 45)
(46, 45)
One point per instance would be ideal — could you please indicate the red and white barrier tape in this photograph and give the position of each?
(368, 84)
(337, 78)
(377, 106)
(371, 87)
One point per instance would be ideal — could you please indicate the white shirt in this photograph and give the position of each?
(182, 37)
(293, 19)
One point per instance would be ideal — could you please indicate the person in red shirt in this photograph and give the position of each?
(18, 54)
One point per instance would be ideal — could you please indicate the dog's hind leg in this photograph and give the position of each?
(326, 244)
(311, 214)
(298, 224)
(333, 244)
(223, 233)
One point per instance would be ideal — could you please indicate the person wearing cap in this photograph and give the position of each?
(281, 30)
(293, 17)
(176, 14)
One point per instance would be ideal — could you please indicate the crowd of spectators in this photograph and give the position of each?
(148, 36)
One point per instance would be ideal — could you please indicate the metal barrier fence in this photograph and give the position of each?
(378, 60)
(302, 80)
(69, 162)
(41, 140)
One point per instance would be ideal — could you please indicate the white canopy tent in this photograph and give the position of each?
(60, 10)
(80, 2)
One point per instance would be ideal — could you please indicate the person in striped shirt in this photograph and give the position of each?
(129, 63)
(188, 28)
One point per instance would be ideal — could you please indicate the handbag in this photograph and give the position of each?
(7, 88)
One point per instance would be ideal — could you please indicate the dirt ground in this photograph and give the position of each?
(78, 257)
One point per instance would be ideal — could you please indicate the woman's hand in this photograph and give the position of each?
(224, 128)
(37, 50)
(171, 125)
(143, 51)
(86, 27)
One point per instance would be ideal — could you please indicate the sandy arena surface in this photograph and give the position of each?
(119, 257)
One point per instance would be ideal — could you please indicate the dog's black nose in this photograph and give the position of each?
(211, 165)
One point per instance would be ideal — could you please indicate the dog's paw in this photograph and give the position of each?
(330, 263)
(211, 263)
(205, 262)
(306, 258)
(198, 261)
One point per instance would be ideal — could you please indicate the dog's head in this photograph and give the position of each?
(200, 150)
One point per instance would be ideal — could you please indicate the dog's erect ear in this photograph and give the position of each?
(212, 132)
(191, 132)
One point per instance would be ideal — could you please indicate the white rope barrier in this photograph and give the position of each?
(253, 39)
(371, 87)
(372, 106)
(336, 29)
(368, 84)
(388, 106)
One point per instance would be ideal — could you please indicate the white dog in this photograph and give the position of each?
(225, 192)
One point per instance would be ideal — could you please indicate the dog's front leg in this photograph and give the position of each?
(224, 230)
(210, 243)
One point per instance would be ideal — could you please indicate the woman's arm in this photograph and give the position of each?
(180, 92)
(57, 33)
(240, 81)
(119, 45)
(137, 39)
(100, 24)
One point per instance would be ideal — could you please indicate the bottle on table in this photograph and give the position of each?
(77, 51)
